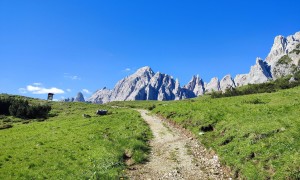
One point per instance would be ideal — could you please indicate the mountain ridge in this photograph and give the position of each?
(145, 84)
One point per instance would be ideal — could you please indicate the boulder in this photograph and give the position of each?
(101, 112)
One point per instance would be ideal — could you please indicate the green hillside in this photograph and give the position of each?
(68, 146)
(257, 135)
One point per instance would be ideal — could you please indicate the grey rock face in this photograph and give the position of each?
(162, 87)
(282, 69)
(177, 90)
(272, 67)
(79, 97)
(213, 85)
(101, 96)
(133, 87)
(284, 46)
(143, 85)
(240, 79)
(196, 85)
(227, 83)
(259, 73)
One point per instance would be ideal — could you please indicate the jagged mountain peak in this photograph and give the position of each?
(282, 46)
(79, 97)
(196, 85)
(258, 59)
(227, 83)
(213, 85)
(144, 70)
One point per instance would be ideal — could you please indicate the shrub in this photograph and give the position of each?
(150, 108)
(297, 75)
(38, 111)
(6, 126)
(297, 51)
(4, 105)
(254, 101)
(215, 94)
(284, 60)
(20, 108)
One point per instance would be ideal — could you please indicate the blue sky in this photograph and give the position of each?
(74, 45)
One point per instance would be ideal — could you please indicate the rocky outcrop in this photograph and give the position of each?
(213, 85)
(196, 85)
(133, 87)
(259, 73)
(284, 47)
(282, 60)
(227, 83)
(163, 87)
(101, 96)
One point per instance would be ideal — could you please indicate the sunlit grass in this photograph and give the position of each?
(257, 135)
(68, 146)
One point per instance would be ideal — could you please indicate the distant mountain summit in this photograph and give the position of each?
(144, 84)
(78, 98)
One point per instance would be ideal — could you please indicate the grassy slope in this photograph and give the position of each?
(68, 146)
(256, 135)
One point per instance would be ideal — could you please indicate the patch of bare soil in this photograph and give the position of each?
(174, 156)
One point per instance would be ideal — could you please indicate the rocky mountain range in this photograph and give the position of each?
(145, 84)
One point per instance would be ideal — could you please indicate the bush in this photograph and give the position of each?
(40, 111)
(4, 105)
(297, 75)
(6, 126)
(216, 94)
(150, 108)
(20, 108)
(284, 60)
(254, 101)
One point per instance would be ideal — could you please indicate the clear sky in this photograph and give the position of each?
(85, 45)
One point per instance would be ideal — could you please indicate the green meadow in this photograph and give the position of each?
(69, 146)
(256, 136)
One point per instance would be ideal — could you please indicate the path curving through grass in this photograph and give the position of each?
(175, 155)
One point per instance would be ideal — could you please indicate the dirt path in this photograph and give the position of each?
(175, 156)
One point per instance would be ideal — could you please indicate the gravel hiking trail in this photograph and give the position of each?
(174, 156)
